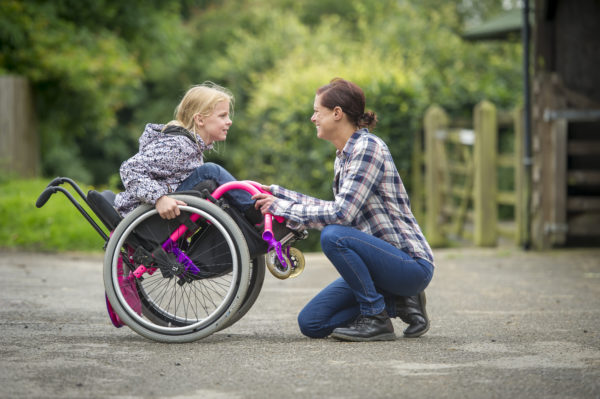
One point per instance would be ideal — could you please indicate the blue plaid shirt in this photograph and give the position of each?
(369, 196)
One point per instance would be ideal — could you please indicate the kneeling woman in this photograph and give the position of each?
(368, 231)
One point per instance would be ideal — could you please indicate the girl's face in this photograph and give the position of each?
(323, 118)
(215, 126)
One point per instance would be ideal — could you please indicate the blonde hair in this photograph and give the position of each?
(200, 99)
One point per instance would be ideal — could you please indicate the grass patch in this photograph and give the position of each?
(57, 226)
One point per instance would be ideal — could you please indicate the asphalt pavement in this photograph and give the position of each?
(504, 324)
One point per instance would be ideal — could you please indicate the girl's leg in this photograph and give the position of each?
(333, 307)
(210, 171)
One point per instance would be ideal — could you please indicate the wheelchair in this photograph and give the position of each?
(183, 279)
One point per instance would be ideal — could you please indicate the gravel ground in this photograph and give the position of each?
(504, 323)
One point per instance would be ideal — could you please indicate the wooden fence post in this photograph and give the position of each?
(485, 185)
(435, 120)
(417, 196)
(556, 227)
(19, 144)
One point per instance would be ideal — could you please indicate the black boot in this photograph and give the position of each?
(367, 328)
(411, 309)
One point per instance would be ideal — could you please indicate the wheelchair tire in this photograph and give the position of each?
(257, 279)
(177, 306)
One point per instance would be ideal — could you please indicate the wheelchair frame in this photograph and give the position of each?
(184, 279)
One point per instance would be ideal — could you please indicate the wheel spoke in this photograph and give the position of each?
(178, 302)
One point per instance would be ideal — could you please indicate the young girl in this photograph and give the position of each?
(368, 231)
(170, 156)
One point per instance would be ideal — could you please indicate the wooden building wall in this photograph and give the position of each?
(565, 196)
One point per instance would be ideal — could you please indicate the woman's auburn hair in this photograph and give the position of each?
(350, 98)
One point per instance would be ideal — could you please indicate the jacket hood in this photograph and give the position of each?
(152, 132)
(156, 131)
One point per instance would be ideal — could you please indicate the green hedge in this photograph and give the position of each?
(58, 226)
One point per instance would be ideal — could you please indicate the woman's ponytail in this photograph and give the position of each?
(368, 120)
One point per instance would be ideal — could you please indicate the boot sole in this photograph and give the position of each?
(418, 333)
(380, 337)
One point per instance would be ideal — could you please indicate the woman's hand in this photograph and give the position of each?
(168, 207)
(263, 202)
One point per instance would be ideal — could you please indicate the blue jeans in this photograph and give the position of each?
(374, 273)
(241, 199)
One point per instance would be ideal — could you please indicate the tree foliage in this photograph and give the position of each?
(88, 61)
(403, 55)
(102, 69)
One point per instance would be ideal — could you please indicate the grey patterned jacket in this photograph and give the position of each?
(162, 163)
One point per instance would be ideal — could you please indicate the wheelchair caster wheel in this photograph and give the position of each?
(276, 268)
(297, 260)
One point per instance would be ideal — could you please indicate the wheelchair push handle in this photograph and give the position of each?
(54, 187)
(50, 189)
(57, 181)
(44, 196)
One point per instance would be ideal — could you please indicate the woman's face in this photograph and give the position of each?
(323, 119)
(215, 126)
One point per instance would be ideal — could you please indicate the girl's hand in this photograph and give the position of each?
(168, 207)
(263, 202)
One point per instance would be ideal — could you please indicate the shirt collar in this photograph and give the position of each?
(347, 150)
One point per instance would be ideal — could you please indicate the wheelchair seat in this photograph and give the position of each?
(102, 205)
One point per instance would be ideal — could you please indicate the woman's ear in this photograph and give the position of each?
(338, 113)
